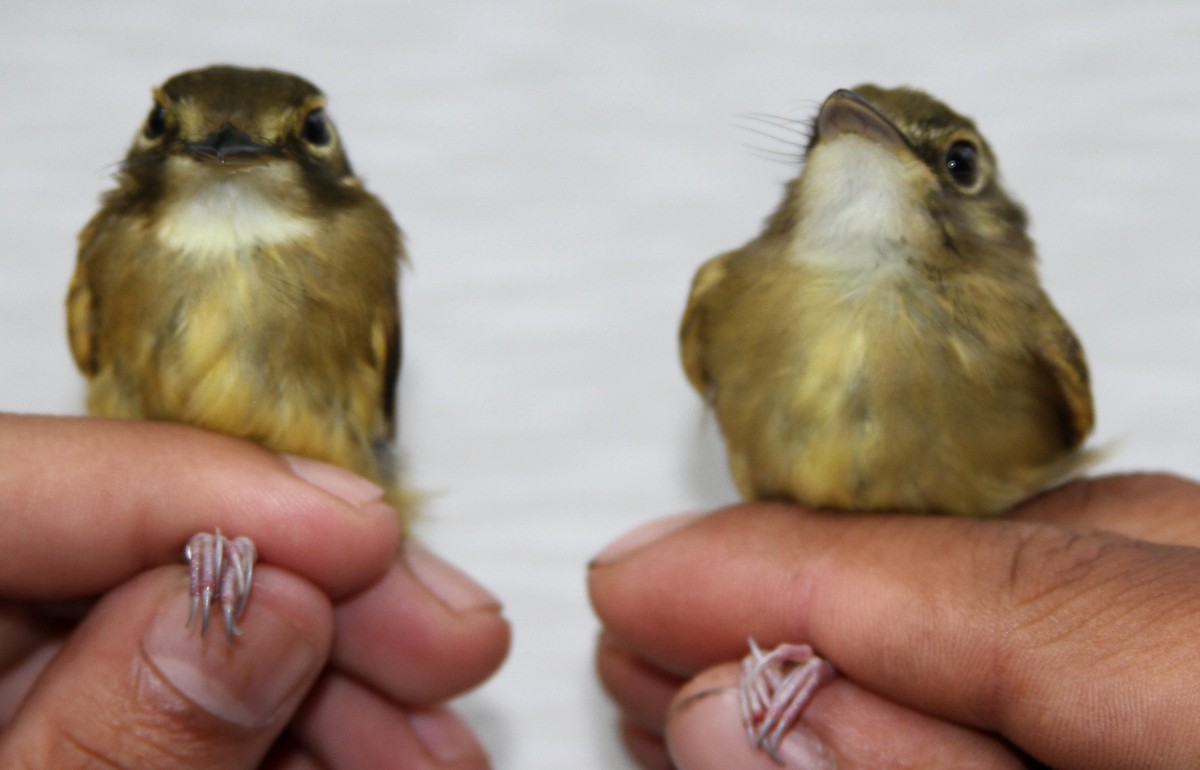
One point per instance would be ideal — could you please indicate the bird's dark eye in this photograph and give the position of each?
(316, 128)
(156, 122)
(962, 161)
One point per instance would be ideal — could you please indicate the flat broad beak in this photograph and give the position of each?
(230, 145)
(845, 112)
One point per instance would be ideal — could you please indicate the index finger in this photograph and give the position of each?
(1148, 506)
(85, 503)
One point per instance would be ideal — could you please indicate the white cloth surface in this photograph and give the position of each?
(560, 170)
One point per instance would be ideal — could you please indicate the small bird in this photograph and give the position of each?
(240, 278)
(884, 343)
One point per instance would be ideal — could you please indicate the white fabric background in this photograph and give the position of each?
(561, 169)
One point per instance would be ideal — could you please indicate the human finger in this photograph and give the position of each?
(843, 727)
(135, 687)
(109, 498)
(1156, 507)
(642, 691)
(383, 733)
(447, 631)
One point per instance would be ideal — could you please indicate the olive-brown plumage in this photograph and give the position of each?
(240, 278)
(885, 343)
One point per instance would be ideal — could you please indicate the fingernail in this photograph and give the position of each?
(705, 732)
(803, 750)
(246, 683)
(339, 482)
(444, 734)
(455, 588)
(641, 536)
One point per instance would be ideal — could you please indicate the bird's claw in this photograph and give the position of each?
(220, 568)
(774, 688)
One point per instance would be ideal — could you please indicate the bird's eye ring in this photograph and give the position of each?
(156, 122)
(316, 128)
(962, 162)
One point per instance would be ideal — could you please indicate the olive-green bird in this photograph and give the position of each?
(240, 278)
(884, 343)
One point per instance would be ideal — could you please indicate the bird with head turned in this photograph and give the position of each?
(240, 278)
(885, 343)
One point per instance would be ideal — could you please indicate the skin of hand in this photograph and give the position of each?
(97, 667)
(1060, 634)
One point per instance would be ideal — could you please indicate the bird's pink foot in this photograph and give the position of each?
(774, 688)
(221, 569)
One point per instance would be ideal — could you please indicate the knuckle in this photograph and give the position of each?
(1046, 567)
(1077, 617)
(1051, 586)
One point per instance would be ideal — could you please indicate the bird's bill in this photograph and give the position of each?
(229, 145)
(845, 112)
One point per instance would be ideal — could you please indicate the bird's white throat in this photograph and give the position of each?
(222, 212)
(860, 209)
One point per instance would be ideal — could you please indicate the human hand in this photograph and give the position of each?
(1062, 634)
(346, 652)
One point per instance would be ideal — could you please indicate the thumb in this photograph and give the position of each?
(843, 727)
(135, 687)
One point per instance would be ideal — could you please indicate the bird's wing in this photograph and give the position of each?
(1062, 355)
(388, 324)
(81, 331)
(691, 328)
